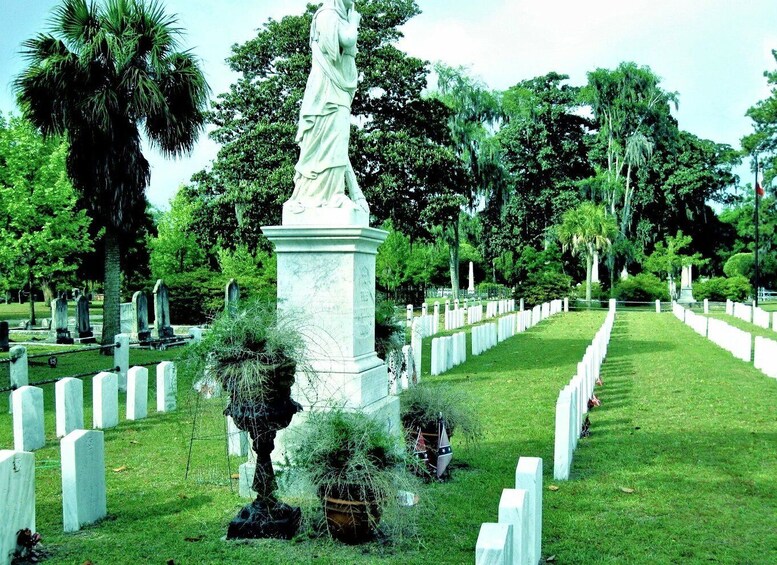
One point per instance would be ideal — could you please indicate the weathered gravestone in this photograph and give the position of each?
(125, 310)
(83, 478)
(83, 326)
(139, 328)
(17, 498)
(59, 313)
(231, 296)
(686, 286)
(4, 336)
(162, 310)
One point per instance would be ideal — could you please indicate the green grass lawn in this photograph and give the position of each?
(15, 311)
(688, 427)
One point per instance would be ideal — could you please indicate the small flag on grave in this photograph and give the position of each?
(444, 450)
(420, 448)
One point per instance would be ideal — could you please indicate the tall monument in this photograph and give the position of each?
(325, 247)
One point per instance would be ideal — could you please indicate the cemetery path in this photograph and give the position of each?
(692, 431)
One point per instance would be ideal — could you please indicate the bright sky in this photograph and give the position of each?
(712, 52)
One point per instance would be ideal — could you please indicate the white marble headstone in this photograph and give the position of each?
(105, 400)
(17, 498)
(528, 476)
(28, 432)
(513, 510)
(137, 393)
(121, 359)
(494, 545)
(69, 398)
(237, 440)
(83, 478)
(166, 386)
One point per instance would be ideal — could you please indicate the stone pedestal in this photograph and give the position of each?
(686, 286)
(326, 287)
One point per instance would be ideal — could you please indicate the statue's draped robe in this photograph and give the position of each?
(325, 115)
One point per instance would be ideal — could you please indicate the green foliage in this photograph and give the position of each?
(719, 289)
(541, 286)
(763, 140)
(400, 261)
(632, 113)
(42, 230)
(195, 296)
(668, 258)
(175, 248)
(587, 230)
(104, 72)
(644, 287)
(256, 273)
(248, 350)
(740, 264)
(421, 406)
(544, 152)
(492, 290)
(389, 329)
(597, 292)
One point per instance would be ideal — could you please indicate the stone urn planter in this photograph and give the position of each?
(356, 467)
(254, 356)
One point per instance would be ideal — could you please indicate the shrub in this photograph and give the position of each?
(195, 296)
(719, 289)
(644, 287)
(739, 288)
(389, 329)
(544, 286)
(421, 406)
(740, 264)
(597, 292)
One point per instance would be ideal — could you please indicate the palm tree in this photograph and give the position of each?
(101, 75)
(586, 230)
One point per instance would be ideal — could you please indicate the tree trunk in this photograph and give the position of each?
(49, 292)
(112, 289)
(453, 247)
(589, 263)
(32, 302)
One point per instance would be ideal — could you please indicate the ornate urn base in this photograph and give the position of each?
(262, 520)
(265, 517)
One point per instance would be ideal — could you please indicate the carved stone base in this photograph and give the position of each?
(259, 520)
(86, 337)
(64, 337)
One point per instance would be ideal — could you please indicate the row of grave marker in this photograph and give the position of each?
(572, 403)
(454, 313)
(447, 352)
(761, 351)
(28, 413)
(134, 316)
(752, 314)
(516, 536)
(82, 452)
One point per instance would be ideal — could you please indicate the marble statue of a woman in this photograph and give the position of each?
(324, 170)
